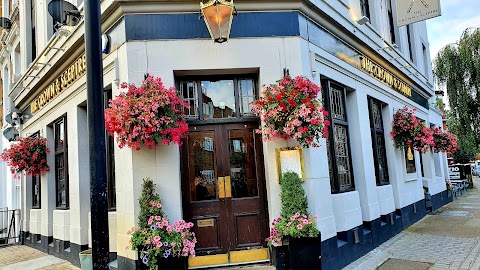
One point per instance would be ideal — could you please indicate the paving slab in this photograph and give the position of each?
(397, 264)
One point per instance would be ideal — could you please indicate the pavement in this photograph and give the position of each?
(26, 258)
(448, 239)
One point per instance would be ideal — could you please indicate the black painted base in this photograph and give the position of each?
(58, 248)
(348, 246)
(441, 199)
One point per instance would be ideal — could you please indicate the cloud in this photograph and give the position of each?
(456, 17)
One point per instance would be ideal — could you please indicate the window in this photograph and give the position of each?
(425, 58)
(338, 147)
(365, 8)
(36, 188)
(409, 39)
(218, 97)
(410, 160)
(110, 153)
(61, 163)
(34, 25)
(390, 21)
(378, 142)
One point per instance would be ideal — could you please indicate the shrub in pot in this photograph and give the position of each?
(160, 245)
(296, 226)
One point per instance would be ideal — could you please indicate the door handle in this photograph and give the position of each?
(228, 187)
(221, 187)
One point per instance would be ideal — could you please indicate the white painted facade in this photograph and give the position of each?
(130, 60)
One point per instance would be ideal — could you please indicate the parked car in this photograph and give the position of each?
(476, 171)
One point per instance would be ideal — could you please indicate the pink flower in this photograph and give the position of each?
(299, 226)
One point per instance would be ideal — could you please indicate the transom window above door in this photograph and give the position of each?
(211, 97)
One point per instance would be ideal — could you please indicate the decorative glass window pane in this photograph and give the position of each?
(338, 109)
(410, 160)
(36, 191)
(246, 88)
(342, 157)
(378, 142)
(188, 91)
(61, 177)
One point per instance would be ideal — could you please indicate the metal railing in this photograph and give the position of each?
(9, 226)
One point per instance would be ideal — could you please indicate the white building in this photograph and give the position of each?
(367, 197)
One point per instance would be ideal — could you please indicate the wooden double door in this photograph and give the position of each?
(224, 192)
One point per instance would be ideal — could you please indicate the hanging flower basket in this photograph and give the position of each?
(28, 155)
(290, 110)
(408, 130)
(444, 141)
(150, 114)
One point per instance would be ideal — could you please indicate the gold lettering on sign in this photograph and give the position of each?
(379, 72)
(67, 78)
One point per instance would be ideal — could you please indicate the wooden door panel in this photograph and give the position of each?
(208, 226)
(247, 230)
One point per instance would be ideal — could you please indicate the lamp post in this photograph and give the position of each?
(218, 15)
(96, 135)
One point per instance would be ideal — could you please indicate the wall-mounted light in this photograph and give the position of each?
(363, 20)
(218, 16)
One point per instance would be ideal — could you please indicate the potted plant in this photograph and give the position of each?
(28, 155)
(295, 226)
(160, 245)
(450, 188)
(290, 109)
(150, 115)
(409, 131)
(444, 141)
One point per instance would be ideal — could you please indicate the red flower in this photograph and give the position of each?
(28, 155)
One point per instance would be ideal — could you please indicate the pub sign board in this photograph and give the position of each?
(412, 11)
(458, 172)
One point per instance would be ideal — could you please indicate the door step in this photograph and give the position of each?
(237, 258)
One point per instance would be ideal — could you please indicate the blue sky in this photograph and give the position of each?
(457, 15)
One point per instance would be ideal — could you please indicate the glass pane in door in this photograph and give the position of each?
(218, 98)
(203, 180)
(243, 174)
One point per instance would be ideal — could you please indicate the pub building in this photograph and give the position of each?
(363, 189)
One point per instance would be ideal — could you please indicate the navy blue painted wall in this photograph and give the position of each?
(189, 26)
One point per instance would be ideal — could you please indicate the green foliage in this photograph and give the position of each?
(457, 68)
(148, 197)
(292, 196)
(295, 220)
(467, 148)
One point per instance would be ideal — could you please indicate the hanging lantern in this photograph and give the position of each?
(218, 15)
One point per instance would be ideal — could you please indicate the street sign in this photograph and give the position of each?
(412, 11)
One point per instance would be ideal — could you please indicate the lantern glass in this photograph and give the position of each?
(218, 17)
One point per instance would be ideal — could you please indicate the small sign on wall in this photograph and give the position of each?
(290, 159)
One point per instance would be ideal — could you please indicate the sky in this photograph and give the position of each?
(457, 15)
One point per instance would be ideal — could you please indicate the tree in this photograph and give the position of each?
(457, 68)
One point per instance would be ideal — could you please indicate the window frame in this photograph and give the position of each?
(63, 152)
(110, 155)
(334, 177)
(197, 79)
(376, 133)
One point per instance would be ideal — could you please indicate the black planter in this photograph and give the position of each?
(305, 253)
(170, 263)
(280, 257)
